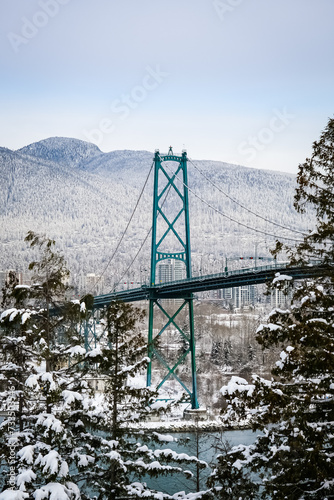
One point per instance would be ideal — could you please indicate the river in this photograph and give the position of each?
(204, 445)
(207, 445)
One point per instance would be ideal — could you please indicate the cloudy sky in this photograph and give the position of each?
(244, 81)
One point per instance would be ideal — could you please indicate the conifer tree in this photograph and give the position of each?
(59, 440)
(295, 410)
(130, 452)
(45, 447)
(10, 283)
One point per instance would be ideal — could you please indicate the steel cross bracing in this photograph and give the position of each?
(171, 240)
(88, 329)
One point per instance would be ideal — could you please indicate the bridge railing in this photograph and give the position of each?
(233, 272)
(269, 267)
(143, 292)
(248, 270)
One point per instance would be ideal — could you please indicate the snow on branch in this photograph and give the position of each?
(237, 385)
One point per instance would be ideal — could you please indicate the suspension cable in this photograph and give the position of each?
(133, 260)
(243, 206)
(143, 243)
(234, 220)
(124, 233)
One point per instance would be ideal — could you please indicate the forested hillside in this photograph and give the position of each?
(83, 198)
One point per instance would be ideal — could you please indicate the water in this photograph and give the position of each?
(204, 444)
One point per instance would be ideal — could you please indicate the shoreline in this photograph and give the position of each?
(190, 426)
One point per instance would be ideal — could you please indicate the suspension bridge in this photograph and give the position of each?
(170, 239)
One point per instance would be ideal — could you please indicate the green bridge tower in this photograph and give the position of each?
(171, 243)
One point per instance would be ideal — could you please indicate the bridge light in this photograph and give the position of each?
(252, 258)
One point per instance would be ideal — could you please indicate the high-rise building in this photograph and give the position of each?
(4, 276)
(280, 298)
(171, 270)
(91, 283)
(240, 296)
(179, 270)
(165, 271)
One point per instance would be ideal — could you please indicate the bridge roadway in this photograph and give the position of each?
(229, 279)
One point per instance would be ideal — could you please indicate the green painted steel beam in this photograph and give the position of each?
(157, 255)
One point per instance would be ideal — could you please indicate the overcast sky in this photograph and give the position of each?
(244, 81)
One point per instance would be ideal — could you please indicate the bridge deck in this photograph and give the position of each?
(229, 279)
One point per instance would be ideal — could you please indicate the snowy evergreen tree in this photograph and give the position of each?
(7, 291)
(130, 453)
(46, 450)
(295, 410)
(58, 439)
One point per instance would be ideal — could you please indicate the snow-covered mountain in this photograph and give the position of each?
(62, 150)
(83, 198)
